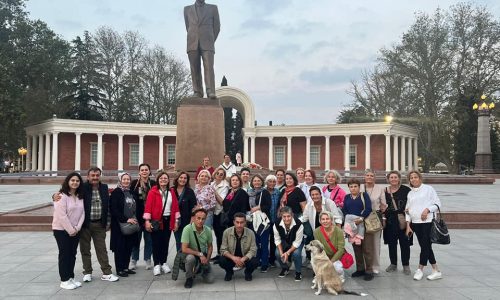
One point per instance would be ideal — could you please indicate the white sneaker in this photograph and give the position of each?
(418, 275)
(148, 264)
(342, 278)
(156, 270)
(87, 278)
(165, 268)
(435, 275)
(77, 283)
(133, 265)
(110, 277)
(68, 285)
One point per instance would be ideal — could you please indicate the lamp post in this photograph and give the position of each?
(483, 163)
(22, 152)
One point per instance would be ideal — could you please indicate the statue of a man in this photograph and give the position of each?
(203, 26)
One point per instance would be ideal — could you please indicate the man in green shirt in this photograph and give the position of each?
(197, 245)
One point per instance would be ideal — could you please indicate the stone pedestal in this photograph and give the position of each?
(200, 133)
(483, 163)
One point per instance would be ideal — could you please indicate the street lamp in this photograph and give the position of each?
(483, 163)
(22, 152)
(388, 118)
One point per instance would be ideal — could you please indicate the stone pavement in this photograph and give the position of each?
(28, 270)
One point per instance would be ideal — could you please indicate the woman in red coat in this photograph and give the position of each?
(161, 216)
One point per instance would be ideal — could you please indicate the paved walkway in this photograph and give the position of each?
(28, 270)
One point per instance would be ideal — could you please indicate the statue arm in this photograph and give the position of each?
(216, 22)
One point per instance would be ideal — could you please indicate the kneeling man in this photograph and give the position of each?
(238, 249)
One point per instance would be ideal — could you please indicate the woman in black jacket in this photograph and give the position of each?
(235, 201)
(292, 196)
(187, 201)
(123, 210)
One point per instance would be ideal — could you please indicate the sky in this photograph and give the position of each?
(295, 59)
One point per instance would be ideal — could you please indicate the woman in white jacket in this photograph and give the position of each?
(421, 206)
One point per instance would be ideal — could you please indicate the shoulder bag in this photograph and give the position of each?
(401, 217)
(157, 224)
(372, 222)
(128, 228)
(439, 230)
(347, 260)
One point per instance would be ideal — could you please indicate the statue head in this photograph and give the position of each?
(200, 1)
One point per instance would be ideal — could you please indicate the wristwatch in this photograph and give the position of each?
(201, 254)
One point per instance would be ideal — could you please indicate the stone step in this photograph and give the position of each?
(25, 226)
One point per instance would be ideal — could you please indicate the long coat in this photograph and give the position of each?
(202, 31)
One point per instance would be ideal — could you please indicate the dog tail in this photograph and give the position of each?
(353, 293)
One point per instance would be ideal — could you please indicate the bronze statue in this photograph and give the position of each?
(203, 26)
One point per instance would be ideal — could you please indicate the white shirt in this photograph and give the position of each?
(418, 200)
(298, 236)
(305, 188)
(222, 189)
(168, 205)
(326, 205)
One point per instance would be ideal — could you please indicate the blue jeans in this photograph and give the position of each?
(210, 219)
(148, 246)
(262, 242)
(296, 258)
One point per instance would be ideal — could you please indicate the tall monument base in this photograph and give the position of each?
(483, 163)
(200, 133)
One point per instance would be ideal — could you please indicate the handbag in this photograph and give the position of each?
(129, 228)
(401, 217)
(372, 222)
(347, 260)
(439, 230)
(260, 219)
(156, 224)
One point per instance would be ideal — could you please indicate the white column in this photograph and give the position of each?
(78, 150)
(403, 154)
(415, 153)
(34, 156)
(270, 152)
(387, 152)
(368, 154)
(245, 149)
(99, 150)
(160, 152)
(28, 154)
(55, 150)
(327, 152)
(395, 153)
(40, 152)
(308, 152)
(347, 166)
(410, 154)
(288, 152)
(141, 149)
(46, 163)
(252, 149)
(120, 152)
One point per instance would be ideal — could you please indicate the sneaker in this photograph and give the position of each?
(263, 269)
(391, 268)
(406, 270)
(368, 277)
(77, 283)
(228, 277)
(342, 278)
(435, 275)
(122, 273)
(130, 271)
(189, 283)
(148, 264)
(133, 265)
(375, 272)
(87, 278)
(157, 270)
(358, 274)
(110, 277)
(248, 277)
(418, 275)
(68, 285)
(298, 276)
(236, 268)
(283, 273)
(165, 268)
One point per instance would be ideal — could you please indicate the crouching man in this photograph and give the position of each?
(238, 249)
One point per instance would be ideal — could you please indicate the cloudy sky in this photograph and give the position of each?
(295, 59)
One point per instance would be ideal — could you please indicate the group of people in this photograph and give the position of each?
(257, 222)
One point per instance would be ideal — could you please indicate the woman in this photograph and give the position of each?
(235, 201)
(271, 182)
(260, 200)
(205, 165)
(319, 204)
(423, 202)
(309, 181)
(67, 221)
(359, 204)
(162, 207)
(377, 195)
(140, 189)
(292, 195)
(205, 194)
(221, 187)
(332, 189)
(396, 195)
(187, 201)
(123, 210)
(330, 235)
(300, 172)
(280, 179)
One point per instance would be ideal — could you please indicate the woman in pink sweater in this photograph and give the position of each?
(66, 224)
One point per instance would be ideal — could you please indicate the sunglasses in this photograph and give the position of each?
(220, 174)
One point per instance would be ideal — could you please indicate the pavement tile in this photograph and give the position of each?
(450, 294)
(479, 293)
(18, 277)
(211, 295)
(171, 296)
(37, 289)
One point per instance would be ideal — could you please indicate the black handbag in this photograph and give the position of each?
(156, 224)
(439, 230)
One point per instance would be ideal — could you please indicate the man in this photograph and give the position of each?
(197, 245)
(238, 249)
(96, 204)
(288, 237)
(202, 26)
(228, 166)
(245, 178)
(205, 166)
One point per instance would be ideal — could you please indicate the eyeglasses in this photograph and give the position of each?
(220, 174)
